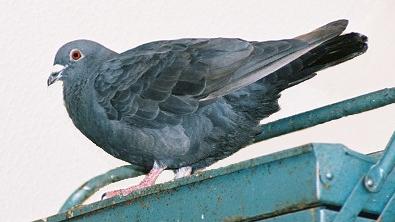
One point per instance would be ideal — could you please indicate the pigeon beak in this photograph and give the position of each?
(56, 74)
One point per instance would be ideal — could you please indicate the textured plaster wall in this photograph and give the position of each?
(43, 157)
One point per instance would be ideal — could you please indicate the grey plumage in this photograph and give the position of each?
(189, 102)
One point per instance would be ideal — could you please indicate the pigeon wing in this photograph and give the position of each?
(159, 82)
(156, 84)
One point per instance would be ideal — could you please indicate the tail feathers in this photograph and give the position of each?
(325, 32)
(329, 53)
(260, 99)
(340, 49)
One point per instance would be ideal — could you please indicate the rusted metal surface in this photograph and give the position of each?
(295, 180)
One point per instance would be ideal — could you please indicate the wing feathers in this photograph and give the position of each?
(157, 83)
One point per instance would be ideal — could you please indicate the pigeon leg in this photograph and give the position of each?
(148, 181)
(183, 172)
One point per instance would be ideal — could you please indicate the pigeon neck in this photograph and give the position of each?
(75, 100)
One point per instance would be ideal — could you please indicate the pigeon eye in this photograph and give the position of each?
(75, 55)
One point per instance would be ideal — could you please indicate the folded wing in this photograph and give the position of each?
(157, 83)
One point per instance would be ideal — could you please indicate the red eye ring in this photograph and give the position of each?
(75, 55)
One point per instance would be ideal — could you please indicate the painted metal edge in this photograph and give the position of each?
(196, 178)
(318, 214)
(320, 151)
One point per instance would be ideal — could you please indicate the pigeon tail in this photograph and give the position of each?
(325, 32)
(330, 53)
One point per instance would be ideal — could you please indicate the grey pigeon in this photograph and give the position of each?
(185, 104)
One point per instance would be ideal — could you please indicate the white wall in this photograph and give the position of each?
(43, 158)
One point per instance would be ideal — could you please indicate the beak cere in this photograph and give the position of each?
(56, 74)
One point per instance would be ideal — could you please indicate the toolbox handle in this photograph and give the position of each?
(378, 172)
(369, 184)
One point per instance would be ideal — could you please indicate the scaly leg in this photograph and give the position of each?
(148, 181)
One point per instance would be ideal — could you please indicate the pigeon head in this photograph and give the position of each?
(73, 60)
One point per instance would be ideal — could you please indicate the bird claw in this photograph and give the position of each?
(122, 192)
(148, 181)
(111, 194)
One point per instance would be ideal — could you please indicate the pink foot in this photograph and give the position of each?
(123, 192)
(148, 181)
